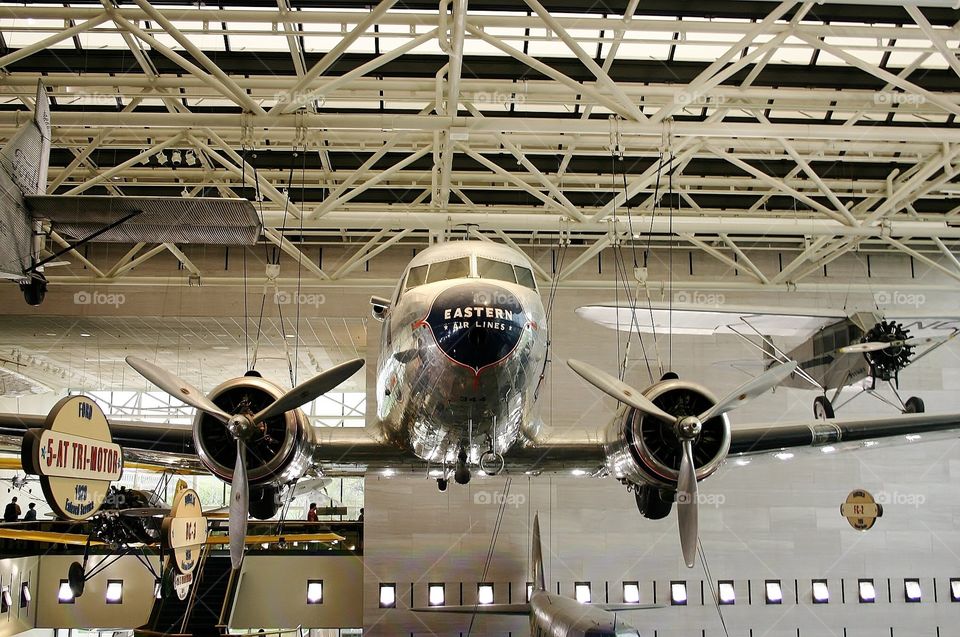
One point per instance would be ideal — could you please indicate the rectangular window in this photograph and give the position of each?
(388, 595)
(867, 593)
(678, 593)
(490, 269)
(529, 590)
(315, 591)
(631, 593)
(25, 596)
(955, 589)
(114, 591)
(416, 276)
(726, 594)
(773, 591)
(911, 591)
(65, 593)
(436, 594)
(581, 590)
(446, 270)
(821, 593)
(485, 593)
(525, 277)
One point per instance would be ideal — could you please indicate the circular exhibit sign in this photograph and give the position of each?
(185, 531)
(74, 456)
(861, 510)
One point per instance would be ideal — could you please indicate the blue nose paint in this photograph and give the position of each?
(477, 324)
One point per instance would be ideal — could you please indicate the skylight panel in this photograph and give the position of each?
(643, 50)
(256, 36)
(698, 52)
(792, 51)
(101, 39)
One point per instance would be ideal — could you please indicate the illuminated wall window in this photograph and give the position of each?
(955, 589)
(725, 593)
(485, 593)
(436, 594)
(821, 593)
(529, 590)
(911, 591)
(64, 593)
(631, 593)
(25, 595)
(114, 591)
(773, 592)
(388, 595)
(581, 591)
(315, 591)
(6, 601)
(866, 592)
(678, 593)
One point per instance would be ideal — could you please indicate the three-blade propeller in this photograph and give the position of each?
(243, 425)
(687, 429)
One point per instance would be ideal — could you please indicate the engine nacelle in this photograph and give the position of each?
(644, 450)
(278, 454)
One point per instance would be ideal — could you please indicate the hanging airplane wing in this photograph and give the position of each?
(706, 320)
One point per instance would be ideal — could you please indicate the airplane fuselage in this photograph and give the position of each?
(557, 616)
(462, 352)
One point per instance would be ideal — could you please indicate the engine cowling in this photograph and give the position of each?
(279, 453)
(644, 450)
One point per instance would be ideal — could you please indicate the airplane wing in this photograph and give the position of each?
(706, 319)
(52, 537)
(221, 540)
(210, 220)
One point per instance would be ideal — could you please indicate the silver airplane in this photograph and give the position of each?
(462, 353)
(553, 615)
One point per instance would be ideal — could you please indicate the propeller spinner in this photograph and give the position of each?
(242, 426)
(687, 429)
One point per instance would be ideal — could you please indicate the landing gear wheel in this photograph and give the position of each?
(491, 463)
(462, 473)
(822, 409)
(442, 484)
(75, 579)
(34, 290)
(653, 503)
(913, 405)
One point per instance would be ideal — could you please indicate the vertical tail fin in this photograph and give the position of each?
(536, 554)
(23, 171)
(26, 157)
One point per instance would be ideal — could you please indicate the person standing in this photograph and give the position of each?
(31, 514)
(312, 513)
(12, 512)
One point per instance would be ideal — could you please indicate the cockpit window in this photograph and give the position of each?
(416, 276)
(525, 277)
(452, 269)
(490, 269)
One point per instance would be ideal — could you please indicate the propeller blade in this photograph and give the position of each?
(177, 387)
(687, 505)
(860, 348)
(750, 390)
(239, 507)
(309, 390)
(623, 392)
(915, 341)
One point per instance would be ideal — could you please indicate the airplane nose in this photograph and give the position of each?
(478, 324)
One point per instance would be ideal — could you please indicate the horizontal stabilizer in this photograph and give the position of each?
(485, 609)
(209, 220)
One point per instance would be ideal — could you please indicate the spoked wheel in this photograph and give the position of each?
(822, 409)
(913, 405)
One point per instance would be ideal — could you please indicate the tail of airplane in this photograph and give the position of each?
(536, 558)
(23, 172)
